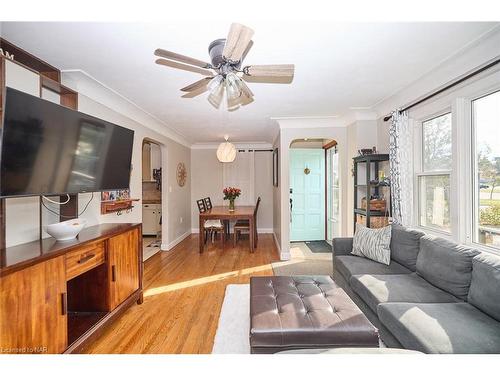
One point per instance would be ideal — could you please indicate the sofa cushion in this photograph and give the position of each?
(342, 245)
(446, 265)
(441, 327)
(405, 245)
(349, 265)
(376, 289)
(372, 243)
(484, 292)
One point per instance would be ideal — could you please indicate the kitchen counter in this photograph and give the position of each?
(151, 201)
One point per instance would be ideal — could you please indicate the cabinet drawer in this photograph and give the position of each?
(84, 259)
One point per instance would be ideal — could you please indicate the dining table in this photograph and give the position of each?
(223, 214)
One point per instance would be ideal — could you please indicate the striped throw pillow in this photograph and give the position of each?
(373, 244)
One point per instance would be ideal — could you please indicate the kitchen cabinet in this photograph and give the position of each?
(151, 214)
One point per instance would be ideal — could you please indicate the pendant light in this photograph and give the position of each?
(226, 152)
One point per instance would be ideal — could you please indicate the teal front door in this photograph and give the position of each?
(307, 194)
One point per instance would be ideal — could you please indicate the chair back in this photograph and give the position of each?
(201, 205)
(208, 203)
(256, 208)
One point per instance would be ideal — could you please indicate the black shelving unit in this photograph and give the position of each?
(369, 188)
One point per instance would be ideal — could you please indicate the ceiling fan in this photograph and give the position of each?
(224, 72)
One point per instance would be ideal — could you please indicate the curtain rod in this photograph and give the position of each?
(457, 82)
(255, 150)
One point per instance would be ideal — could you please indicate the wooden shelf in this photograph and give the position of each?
(30, 61)
(359, 211)
(108, 207)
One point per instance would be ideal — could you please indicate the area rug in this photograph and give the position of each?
(234, 322)
(319, 246)
(303, 267)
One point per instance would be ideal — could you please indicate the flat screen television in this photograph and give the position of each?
(48, 149)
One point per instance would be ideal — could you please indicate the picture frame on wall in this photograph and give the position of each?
(275, 167)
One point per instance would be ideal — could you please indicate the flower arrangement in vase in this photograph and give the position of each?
(230, 194)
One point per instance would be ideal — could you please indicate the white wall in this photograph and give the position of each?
(277, 198)
(209, 177)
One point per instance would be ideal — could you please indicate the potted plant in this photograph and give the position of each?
(231, 193)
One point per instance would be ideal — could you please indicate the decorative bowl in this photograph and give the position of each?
(66, 230)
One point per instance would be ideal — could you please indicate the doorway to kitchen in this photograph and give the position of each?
(151, 198)
(314, 197)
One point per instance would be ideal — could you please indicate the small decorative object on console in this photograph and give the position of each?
(230, 194)
(368, 151)
(66, 230)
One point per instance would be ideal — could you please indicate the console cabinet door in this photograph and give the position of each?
(123, 266)
(33, 316)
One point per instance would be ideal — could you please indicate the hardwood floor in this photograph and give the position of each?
(183, 294)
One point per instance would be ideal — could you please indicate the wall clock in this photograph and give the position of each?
(181, 174)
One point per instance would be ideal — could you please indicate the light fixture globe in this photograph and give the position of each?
(226, 152)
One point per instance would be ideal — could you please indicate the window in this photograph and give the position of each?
(434, 180)
(486, 153)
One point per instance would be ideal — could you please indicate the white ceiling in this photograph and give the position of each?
(340, 67)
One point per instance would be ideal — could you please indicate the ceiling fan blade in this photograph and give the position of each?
(237, 41)
(250, 45)
(283, 70)
(184, 59)
(189, 68)
(194, 93)
(198, 84)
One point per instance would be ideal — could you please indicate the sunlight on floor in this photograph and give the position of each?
(204, 280)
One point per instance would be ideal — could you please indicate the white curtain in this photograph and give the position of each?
(241, 174)
(401, 167)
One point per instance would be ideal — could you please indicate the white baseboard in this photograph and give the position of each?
(171, 245)
(259, 230)
(284, 255)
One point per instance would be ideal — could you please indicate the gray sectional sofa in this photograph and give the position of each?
(434, 297)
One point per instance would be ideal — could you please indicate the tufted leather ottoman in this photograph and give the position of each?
(300, 312)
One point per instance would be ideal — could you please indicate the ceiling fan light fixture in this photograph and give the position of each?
(225, 71)
(215, 97)
(226, 152)
(214, 84)
(233, 91)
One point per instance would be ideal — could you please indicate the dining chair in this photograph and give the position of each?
(244, 225)
(211, 227)
(208, 205)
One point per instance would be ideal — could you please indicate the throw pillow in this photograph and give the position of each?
(373, 244)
